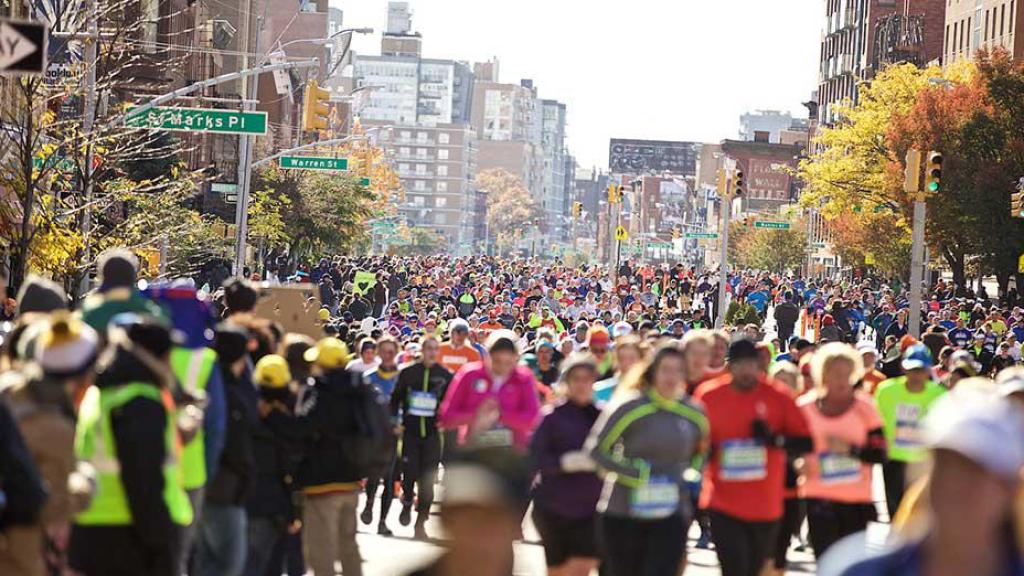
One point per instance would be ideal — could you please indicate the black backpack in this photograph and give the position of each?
(369, 449)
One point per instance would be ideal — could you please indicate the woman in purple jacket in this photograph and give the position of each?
(565, 498)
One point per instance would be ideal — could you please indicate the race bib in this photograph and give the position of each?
(838, 468)
(659, 498)
(743, 460)
(907, 434)
(499, 436)
(423, 404)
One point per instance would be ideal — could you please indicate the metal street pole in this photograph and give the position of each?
(244, 168)
(725, 193)
(88, 120)
(917, 268)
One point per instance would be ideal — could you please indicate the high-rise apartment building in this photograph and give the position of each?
(552, 196)
(973, 25)
(861, 37)
(437, 166)
(427, 104)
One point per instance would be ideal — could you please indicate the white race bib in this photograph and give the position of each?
(658, 498)
(743, 460)
(498, 436)
(422, 404)
(838, 468)
(907, 433)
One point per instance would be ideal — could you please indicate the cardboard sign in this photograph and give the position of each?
(294, 307)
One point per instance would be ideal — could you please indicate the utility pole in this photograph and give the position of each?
(244, 160)
(726, 194)
(911, 184)
(88, 120)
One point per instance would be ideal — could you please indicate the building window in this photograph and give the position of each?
(403, 151)
(442, 154)
(406, 134)
(419, 186)
(1002, 19)
(421, 136)
(403, 167)
(443, 138)
(441, 201)
(442, 170)
(421, 168)
(442, 186)
(439, 218)
(421, 152)
(417, 201)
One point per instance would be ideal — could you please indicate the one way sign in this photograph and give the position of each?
(22, 48)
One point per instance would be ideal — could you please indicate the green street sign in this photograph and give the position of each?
(772, 225)
(199, 120)
(314, 163)
(700, 235)
(364, 182)
(660, 245)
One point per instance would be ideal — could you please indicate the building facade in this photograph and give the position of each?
(771, 122)
(437, 166)
(973, 25)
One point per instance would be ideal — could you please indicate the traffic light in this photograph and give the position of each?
(738, 184)
(676, 234)
(933, 172)
(721, 182)
(912, 173)
(1017, 205)
(614, 193)
(314, 108)
(577, 209)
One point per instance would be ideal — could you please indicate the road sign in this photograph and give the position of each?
(659, 245)
(364, 182)
(223, 188)
(22, 48)
(869, 259)
(621, 233)
(818, 245)
(772, 225)
(701, 235)
(1020, 264)
(314, 163)
(199, 120)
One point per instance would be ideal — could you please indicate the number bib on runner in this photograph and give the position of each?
(907, 435)
(497, 436)
(422, 404)
(659, 498)
(838, 468)
(743, 460)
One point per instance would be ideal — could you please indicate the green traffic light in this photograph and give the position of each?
(933, 186)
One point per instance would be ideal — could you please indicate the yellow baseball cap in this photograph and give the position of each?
(328, 353)
(324, 314)
(272, 372)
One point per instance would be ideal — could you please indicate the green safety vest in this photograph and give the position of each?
(192, 368)
(94, 443)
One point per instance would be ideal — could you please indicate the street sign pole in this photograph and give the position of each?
(917, 268)
(725, 190)
(245, 168)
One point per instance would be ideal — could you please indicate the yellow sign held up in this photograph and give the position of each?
(869, 259)
(1020, 264)
(621, 233)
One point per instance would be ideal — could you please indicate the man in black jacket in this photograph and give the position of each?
(221, 545)
(786, 315)
(329, 423)
(417, 395)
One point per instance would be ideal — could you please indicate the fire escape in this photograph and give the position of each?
(899, 38)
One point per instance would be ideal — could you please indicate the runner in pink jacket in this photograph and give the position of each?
(493, 402)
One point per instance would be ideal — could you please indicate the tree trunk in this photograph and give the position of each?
(955, 261)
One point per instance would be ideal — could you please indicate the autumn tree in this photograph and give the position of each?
(776, 250)
(321, 212)
(511, 210)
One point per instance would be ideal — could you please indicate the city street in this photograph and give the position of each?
(397, 555)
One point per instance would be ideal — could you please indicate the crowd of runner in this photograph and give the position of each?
(167, 429)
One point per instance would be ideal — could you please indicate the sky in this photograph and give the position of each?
(648, 69)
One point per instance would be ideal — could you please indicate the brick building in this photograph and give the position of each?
(984, 24)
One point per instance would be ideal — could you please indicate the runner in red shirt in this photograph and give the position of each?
(754, 423)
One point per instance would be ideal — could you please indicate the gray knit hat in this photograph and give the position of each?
(118, 269)
(40, 295)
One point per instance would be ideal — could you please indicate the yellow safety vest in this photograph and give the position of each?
(192, 368)
(94, 443)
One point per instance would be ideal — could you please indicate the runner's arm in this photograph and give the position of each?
(874, 450)
(601, 445)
